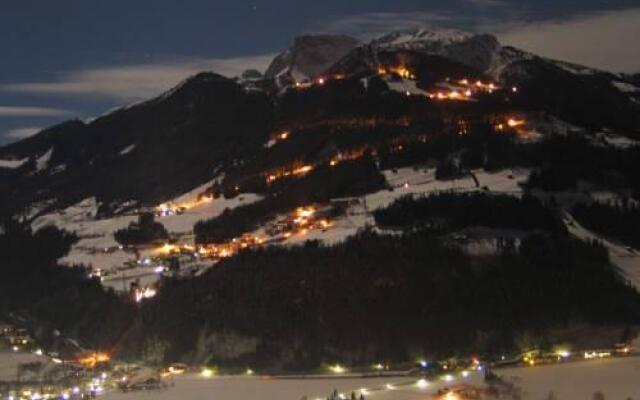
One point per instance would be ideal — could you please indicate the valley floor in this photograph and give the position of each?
(614, 378)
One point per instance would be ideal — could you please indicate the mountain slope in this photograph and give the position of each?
(159, 149)
(146, 152)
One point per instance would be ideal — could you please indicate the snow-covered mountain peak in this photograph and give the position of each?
(475, 50)
(422, 36)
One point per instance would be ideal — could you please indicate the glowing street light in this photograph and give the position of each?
(337, 369)
(206, 373)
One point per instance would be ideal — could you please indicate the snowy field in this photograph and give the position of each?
(9, 362)
(616, 378)
(193, 387)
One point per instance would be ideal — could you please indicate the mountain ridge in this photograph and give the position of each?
(163, 126)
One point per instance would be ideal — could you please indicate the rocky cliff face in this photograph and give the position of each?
(310, 55)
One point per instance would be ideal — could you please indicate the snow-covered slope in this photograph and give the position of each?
(13, 164)
(415, 182)
(625, 258)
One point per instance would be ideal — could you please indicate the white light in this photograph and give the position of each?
(206, 373)
(422, 383)
(16, 348)
(38, 352)
(447, 378)
(390, 386)
(76, 390)
(337, 369)
(423, 364)
(65, 396)
(465, 374)
(364, 392)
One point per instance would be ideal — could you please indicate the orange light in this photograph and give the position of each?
(512, 122)
(167, 248)
(302, 170)
(94, 359)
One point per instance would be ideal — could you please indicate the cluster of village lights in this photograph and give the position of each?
(302, 221)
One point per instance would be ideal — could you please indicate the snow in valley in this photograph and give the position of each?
(615, 378)
(193, 387)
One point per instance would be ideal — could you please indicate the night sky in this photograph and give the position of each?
(80, 58)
